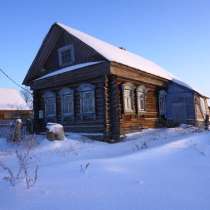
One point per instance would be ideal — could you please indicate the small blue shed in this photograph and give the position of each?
(184, 104)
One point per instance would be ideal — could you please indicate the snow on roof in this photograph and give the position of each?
(11, 99)
(122, 56)
(69, 68)
(116, 54)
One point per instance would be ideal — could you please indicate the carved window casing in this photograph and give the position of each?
(50, 104)
(67, 102)
(128, 97)
(203, 106)
(87, 101)
(141, 98)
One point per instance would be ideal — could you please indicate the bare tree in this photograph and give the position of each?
(11, 178)
(28, 96)
(83, 168)
(26, 171)
(24, 168)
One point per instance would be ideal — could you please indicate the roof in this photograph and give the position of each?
(122, 56)
(116, 54)
(119, 55)
(11, 99)
(69, 68)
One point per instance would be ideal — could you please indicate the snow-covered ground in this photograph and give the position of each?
(157, 169)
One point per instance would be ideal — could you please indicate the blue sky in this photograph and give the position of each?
(174, 34)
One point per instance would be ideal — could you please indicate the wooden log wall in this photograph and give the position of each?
(135, 121)
(76, 124)
(115, 108)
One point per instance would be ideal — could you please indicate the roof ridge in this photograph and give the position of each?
(124, 57)
(114, 53)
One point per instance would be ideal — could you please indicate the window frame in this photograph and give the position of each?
(203, 106)
(128, 93)
(49, 95)
(63, 49)
(83, 90)
(63, 93)
(141, 91)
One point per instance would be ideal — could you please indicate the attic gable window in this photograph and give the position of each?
(66, 55)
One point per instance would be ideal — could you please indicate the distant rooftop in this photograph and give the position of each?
(11, 99)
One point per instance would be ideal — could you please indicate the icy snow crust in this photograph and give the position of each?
(151, 170)
(11, 99)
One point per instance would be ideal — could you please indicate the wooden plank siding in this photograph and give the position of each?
(15, 114)
(136, 75)
(180, 104)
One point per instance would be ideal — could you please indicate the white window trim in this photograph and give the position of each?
(65, 92)
(62, 49)
(203, 106)
(93, 101)
(162, 109)
(85, 88)
(128, 87)
(141, 90)
(48, 95)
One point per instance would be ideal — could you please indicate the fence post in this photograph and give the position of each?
(17, 132)
(207, 122)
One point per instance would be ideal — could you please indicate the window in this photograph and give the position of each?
(67, 102)
(203, 106)
(141, 98)
(50, 104)
(66, 55)
(128, 97)
(87, 100)
(162, 102)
